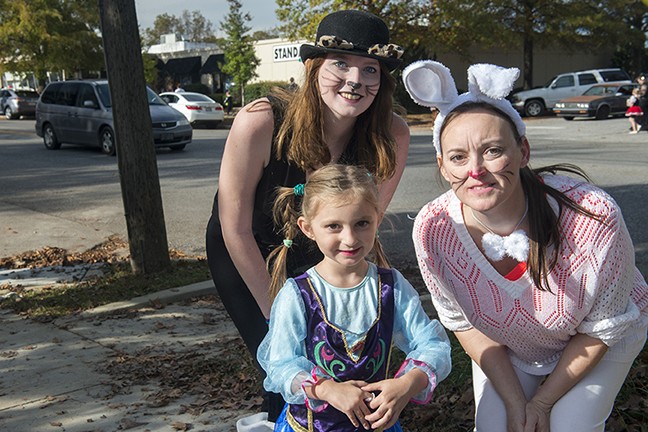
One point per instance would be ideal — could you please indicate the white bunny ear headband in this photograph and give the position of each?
(430, 84)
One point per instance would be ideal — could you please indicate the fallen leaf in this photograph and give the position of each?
(180, 426)
(130, 424)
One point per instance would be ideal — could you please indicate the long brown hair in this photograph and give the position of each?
(301, 135)
(544, 230)
(333, 184)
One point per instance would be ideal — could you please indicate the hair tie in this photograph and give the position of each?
(288, 243)
(298, 190)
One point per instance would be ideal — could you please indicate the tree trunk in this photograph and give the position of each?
(528, 62)
(138, 173)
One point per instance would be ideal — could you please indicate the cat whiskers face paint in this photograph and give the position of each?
(348, 84)
(372, 90)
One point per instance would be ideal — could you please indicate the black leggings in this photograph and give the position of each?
(240, 305)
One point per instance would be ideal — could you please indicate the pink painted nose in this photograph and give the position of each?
(475, 174)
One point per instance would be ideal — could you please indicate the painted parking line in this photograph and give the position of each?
(546, 127)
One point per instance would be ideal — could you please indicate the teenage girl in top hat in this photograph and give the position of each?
(342, 114)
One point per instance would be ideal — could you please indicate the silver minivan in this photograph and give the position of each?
(80, 112)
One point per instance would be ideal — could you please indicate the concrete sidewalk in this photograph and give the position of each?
(53, 375)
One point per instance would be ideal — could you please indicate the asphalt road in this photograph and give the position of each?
(71, 198)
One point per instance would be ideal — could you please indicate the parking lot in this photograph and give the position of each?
(71, 198)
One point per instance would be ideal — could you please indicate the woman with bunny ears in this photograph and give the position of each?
(533, 271)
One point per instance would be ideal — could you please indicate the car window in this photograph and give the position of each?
(86, 93)
(49, 95)
(565, 81)
(67, 94)
(169, 98)
(615, 75)
(4, 93)
(153, 98)
(626, 89)
(586, 78)
(27, 93)
(196, 98)
(104, 94)
(595, 91)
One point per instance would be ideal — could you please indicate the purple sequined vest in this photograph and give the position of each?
(327, 348)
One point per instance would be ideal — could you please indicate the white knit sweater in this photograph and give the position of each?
(595, 287)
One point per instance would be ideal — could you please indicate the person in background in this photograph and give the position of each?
(227, 102)
(178, 88)
(331, 328)
(292, 85)
(532, 270)
(341, 114)
(634, 112)
(643, 104)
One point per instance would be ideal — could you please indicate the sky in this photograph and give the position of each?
(261, 11)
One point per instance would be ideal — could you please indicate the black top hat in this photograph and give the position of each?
(354, 32)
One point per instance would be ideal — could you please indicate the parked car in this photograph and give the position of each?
(600, 101)
(15, 103)
(534, 102)
(80, 112)
(196, 107)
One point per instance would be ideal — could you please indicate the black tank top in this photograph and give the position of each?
(280, 172)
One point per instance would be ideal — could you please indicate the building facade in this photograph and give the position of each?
(186, 63)
(279, 60)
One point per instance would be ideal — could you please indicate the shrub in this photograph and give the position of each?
(261, 89)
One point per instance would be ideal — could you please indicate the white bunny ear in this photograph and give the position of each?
(493, 81)
(429, 83)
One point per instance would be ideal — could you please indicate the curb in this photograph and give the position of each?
(160, 297)
(197, 289)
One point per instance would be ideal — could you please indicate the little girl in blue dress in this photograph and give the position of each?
(332, 328)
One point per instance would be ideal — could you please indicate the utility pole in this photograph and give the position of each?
(136, 160)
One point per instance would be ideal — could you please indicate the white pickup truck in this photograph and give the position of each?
(536, 101)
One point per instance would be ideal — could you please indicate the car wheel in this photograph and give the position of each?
(178, 147)
(9, 114)
(602, 112)
(49, 138)
(534, 108)
(569, 118)
(107, 141)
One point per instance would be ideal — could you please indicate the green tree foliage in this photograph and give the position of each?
(49, 35)
(192, 26)
(408, 21)
(240, 60)
(150, 70)
(577, 25)
(266, 34)
(631, 20)
(428, 27)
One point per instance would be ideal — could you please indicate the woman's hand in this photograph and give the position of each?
(394, 395)
(537, 416)
(516, 416)
(347, 397)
